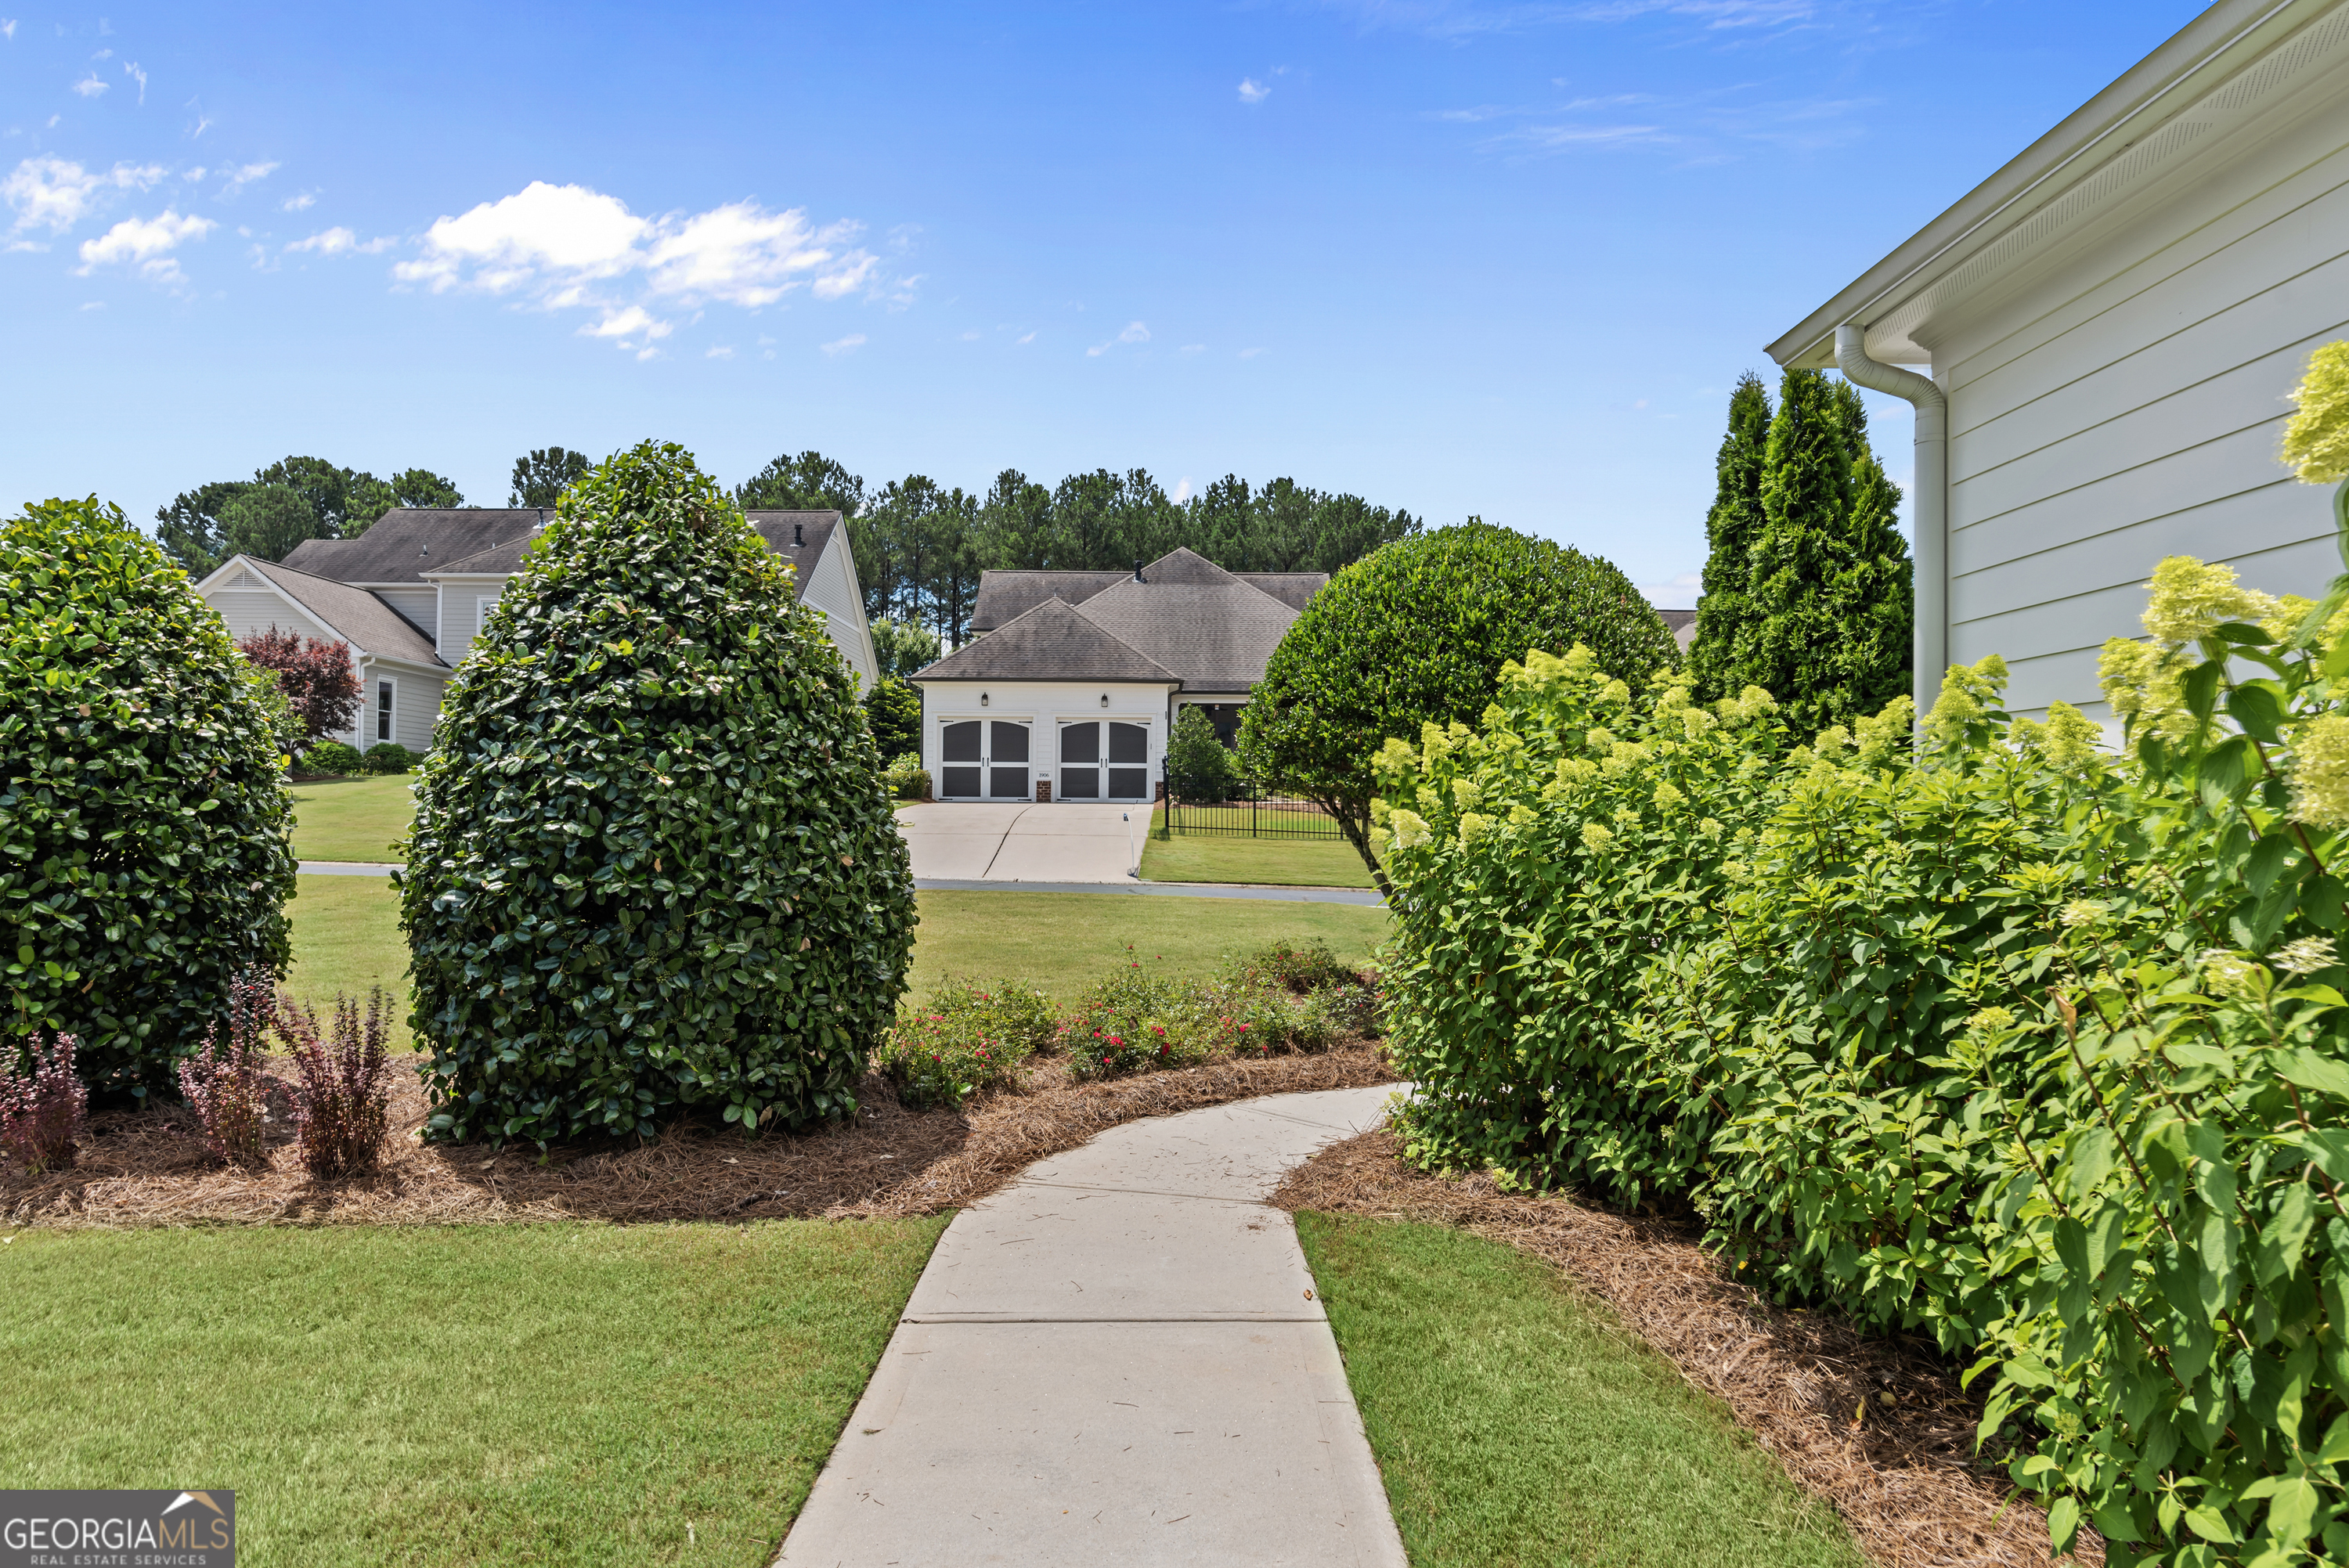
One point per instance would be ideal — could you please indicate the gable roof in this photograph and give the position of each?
(1006, 594)
(406, 541)
(1054, 641)
(1291, 588)
(368, 623)
(776, 528)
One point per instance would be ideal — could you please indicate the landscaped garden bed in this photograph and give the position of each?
(1876, 1426)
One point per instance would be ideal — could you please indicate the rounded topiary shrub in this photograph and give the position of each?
(329, 758)
(387, 757)
(653, 868)
(144, 813)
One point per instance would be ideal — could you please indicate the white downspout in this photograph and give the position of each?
(1929, 497)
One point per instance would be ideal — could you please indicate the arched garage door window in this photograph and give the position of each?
(1102, 760)
(984, 759)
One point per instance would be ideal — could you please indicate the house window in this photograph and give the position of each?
(384, 691)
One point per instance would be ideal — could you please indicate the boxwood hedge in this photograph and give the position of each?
(144, 812)
(654, 868)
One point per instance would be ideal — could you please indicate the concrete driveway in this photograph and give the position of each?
(1024, 843)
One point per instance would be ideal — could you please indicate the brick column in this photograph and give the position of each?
(1043, 792)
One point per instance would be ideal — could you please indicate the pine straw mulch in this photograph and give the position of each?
(149, 1168)
(1904, 1474)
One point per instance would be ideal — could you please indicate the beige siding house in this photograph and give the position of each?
(410, 595)
(2114, 321)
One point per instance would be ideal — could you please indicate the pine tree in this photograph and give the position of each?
(1730, 531)
(1874, 597)
(1790, 644)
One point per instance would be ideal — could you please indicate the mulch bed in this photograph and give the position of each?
(1878, 1427)
(149, 1168)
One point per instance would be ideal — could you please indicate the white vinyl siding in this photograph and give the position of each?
(463, 603)
(249, 610)
(830, 590)
(420, 608)
(2129, 404)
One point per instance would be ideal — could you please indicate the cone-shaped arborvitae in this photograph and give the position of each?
(654, 868)
(1730, 530)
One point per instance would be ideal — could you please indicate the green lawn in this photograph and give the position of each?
(352, 819)
(346, 936)
(571, 1394)
(1284, 862)
(1062, 941)
(1516, 1425)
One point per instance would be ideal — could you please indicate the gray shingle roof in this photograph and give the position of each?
(1682, 625)
(1004, 596)
(372, 625)
(406, 541)
(777, 528)
(1291, 588)
(1054, 641)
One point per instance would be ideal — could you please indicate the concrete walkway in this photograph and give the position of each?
(1120, 1358)
(1064, 842)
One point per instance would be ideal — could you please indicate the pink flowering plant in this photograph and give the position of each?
(968, 1037)
(42, 1104)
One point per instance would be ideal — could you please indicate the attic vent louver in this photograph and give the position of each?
(797, 539)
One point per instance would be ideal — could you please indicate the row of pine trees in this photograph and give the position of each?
(1807, 591)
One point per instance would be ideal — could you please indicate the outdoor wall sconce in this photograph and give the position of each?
(1104, 699)
(982, 699)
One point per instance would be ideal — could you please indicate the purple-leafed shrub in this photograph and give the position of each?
(41, 1104)
(224, 1082)
(341, 1099)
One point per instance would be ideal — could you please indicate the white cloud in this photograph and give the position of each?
(301, 203)
(568, 246)
(131, 69)
(338, 241)
(54, 194)
(1134, 333)
(245, 174)
(1029, 337)
(634, 322)
(1182, 489)
(1676, 593)
(89, 86)
(8, 29)
(1193, 348)
(147, 241)
(1254, 91)
(103, 55)
(1250, 353)
(849, 344)
(203, 124)
(721, 351)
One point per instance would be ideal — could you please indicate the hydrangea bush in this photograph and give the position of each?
(1997, 1037)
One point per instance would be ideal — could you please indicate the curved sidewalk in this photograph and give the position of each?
(1120, 1357)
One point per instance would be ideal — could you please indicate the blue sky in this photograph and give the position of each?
(1456, 256)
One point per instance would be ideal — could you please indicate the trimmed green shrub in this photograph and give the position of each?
(1199, 766)
(906, 779)
(2004, 1041)
(653, 869)
(329, 758)
(387, 757)
(144, 815)
(1417, 632)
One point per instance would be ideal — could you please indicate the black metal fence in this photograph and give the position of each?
(1247, 816)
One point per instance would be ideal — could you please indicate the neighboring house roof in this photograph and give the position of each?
(1291, 588)
(1054, 641)
(812, 530)
(404, 544)
(1682, 625)
(1183, 619)
(1004, 596)
(368, 623)
(2164, 117)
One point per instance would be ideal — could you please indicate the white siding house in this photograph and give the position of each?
(409, 596)
(2115, 319)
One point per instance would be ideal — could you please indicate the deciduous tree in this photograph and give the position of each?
(317, 676)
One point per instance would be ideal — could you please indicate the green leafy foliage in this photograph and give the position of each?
(894, 708)
(1199, 766)
(653, 869)
(2000, 1041)
(1417, 634)
(1730, 531)
(906, 779)
(329, 758)
(970, 1037)
(144, 814)
(542, 475)
(387, 757)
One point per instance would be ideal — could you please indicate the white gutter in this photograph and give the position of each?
(1928, 499)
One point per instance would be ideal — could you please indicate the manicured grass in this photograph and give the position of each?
(1062, 941)
(1516, 1425)
(352, 819)
(571, 1394)
(1285, 862)
(346, 938)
